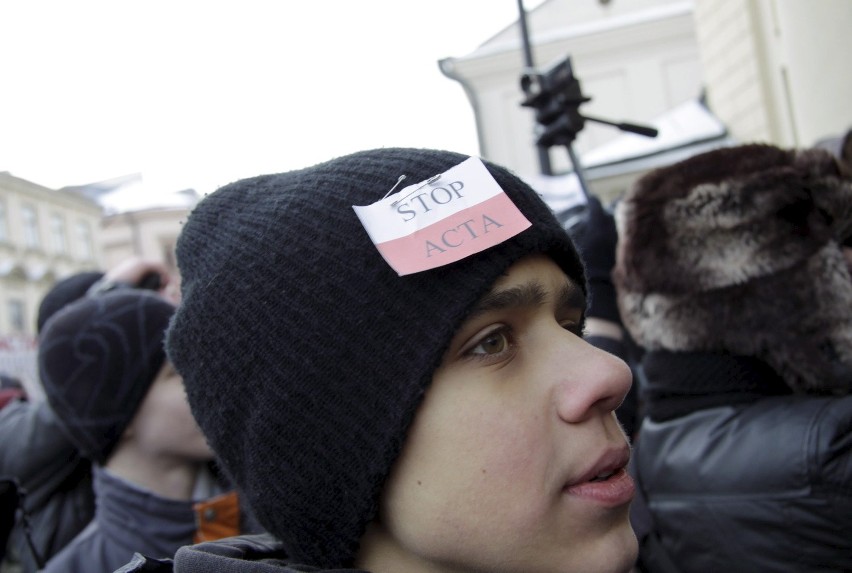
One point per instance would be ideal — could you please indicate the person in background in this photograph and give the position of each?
(36, 458)
(732, 273)
(421, 410)
(123, 406)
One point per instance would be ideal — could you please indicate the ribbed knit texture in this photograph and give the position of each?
(304, 355)
(679, 383)
(97, 358)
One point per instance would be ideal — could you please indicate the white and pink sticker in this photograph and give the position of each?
(444, 219)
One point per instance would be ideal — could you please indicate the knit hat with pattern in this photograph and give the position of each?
(97, 358)
(63, 293)
(304, 355)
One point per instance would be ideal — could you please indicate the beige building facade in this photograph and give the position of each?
(769, 70)
(635, 59)
(148, 233)
(138, 220)
(775, 70)
(45, 235)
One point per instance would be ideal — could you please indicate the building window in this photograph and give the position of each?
(57, 231)
(30, 222)
(84, 237)
(16, 315)
(4, 229)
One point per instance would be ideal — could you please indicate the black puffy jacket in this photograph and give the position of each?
(58, 482)
(762, 486)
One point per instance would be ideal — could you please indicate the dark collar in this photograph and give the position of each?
(674, 384)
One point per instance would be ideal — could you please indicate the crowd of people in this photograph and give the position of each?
(112, 461)
(444, 379)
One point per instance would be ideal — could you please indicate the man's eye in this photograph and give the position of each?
(493, 343)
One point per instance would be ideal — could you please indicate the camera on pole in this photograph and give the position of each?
(556, 97)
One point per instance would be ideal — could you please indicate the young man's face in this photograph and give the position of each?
(164, 425)
(515, 461)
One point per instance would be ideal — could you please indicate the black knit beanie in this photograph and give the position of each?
(63, 293)
(97, 358)
(304, 355)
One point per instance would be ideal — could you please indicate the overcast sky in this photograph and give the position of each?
(198, 93)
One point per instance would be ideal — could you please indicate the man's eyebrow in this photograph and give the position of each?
(571, 297)
(530, 294)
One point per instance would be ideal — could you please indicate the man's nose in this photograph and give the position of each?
(591, 382)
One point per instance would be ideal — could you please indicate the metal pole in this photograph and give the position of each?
(578, 169)
(543, 153)
(525, 36)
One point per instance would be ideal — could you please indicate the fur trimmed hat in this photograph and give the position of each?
(738, 250)
(305, 356)
(97, 358)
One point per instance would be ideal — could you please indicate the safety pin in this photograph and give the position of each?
(428, 182)
(395, 185)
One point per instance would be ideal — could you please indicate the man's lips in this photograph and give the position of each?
(605, 482)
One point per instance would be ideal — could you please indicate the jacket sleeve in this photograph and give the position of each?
(777, 472)
(35, 449)
(57, 481)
